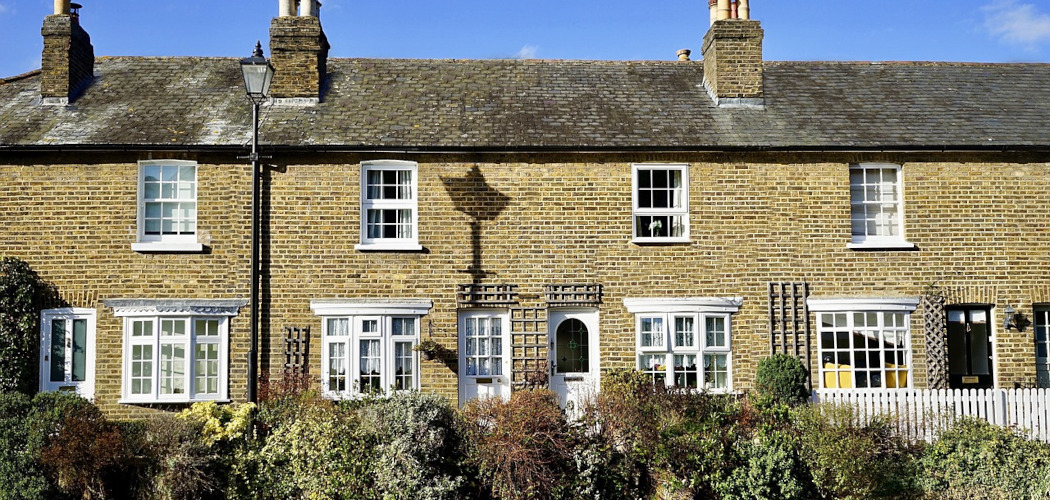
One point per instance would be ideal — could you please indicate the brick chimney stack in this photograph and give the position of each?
(732, 51)
(67, 65)
(299, 53)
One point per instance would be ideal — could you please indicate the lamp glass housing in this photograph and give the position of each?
(258, 74)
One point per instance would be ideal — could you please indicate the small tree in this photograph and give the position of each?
(781, 378)
(22, 296)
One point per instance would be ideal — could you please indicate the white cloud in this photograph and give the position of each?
(526, 52)
(1017, 23)
(6, 9)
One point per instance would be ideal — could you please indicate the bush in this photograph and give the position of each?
(21, 477)
(770, 469)
(521, 447)
(975, 456)
(781, 378)
(418, 448)
(849, 460)
(181, 464)
(86, 456)
(318, 450)
(22, 296)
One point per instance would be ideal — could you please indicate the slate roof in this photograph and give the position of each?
(455, 105)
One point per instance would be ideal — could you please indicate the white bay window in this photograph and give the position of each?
(368, 345)
(685, 342)
(175, 351)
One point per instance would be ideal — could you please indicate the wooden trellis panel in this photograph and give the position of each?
(789, 329)
(528, 329)
(296, 351)
(936, 333)
(476, 295)
(573, 294)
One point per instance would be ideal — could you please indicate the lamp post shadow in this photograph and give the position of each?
(472, 195)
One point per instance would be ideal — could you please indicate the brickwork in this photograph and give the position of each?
(543, 220)
(68, 60)
(732, 51)
(299, 54)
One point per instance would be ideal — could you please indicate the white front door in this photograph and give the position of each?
(67, 351)
(574, 355)
(484, 355)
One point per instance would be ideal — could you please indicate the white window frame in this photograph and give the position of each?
(412, 205)
(682, 211)
(166, 242)
(502, 359)
(699, 310)
(356, 312)
(86, 387)
(878, 241)
(849, 307)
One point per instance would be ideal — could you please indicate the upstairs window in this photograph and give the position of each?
(876, 206)
(660, 195)
(167, 206)
(389, 206)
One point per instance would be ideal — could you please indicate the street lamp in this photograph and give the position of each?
(258, 74)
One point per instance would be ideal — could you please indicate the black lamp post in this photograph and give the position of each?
(258, 73)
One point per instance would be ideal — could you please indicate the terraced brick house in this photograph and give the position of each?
(543, 221)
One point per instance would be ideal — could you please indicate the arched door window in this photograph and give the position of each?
(571, 347)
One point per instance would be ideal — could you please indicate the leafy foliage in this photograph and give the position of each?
(781, 379)
(974, 456)
(21, 476)
(521, 447)
(22, 296)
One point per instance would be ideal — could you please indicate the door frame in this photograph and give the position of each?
(85, 388)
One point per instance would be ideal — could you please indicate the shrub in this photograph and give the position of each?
(770, 469)
(419, 446)
(22, 296)
(319, 451)
(974, 455)
(521, 447)
(182, 465)
(225, 423)
(20, 475)
(849, 460)
(781, 378)
(86, 455)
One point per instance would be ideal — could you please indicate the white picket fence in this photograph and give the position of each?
(921, 414)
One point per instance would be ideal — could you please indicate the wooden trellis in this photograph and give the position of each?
(935, 329)
(528, 329)
(789, 329)
(296, 351)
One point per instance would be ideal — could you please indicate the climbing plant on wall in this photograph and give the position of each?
(22, 296)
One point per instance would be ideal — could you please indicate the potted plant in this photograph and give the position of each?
(429, 349)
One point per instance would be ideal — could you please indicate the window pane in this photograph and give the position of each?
(716, 332)
(684, 332)
(172, 368)
(404, 363)
(338, 327)
(58, 350)
(655, 366)
(716, 371)
(79, 372)
(142, 369)
(206, 369)
(370, 379)
(337, 367)
(686, 373)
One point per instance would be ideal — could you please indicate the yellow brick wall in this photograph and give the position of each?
(977, 221)
(74, 224)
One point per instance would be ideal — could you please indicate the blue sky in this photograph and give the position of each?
(864, 30)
